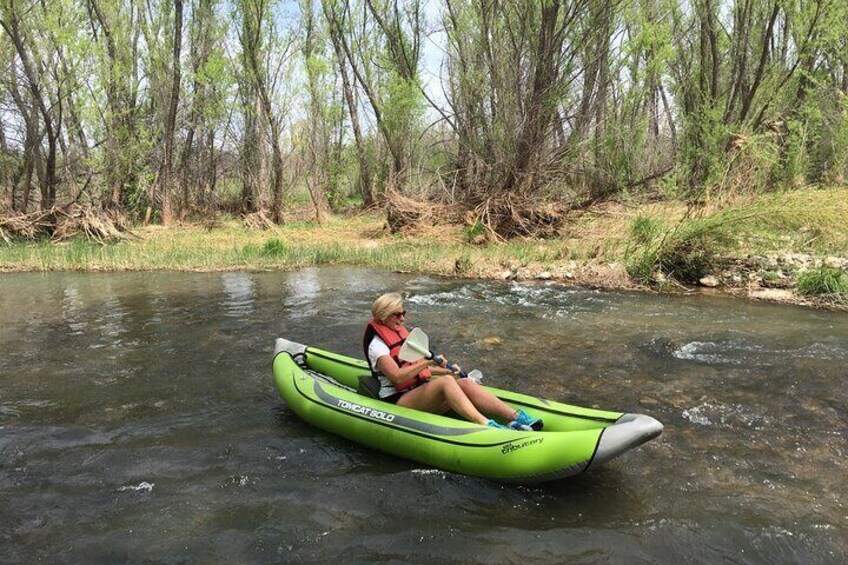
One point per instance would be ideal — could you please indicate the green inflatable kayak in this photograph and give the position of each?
(320, 387)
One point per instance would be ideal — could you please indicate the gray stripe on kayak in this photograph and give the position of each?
(384, 414)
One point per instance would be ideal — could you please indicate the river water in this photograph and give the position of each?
(139, 422)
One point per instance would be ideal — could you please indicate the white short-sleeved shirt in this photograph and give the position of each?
(376, 349)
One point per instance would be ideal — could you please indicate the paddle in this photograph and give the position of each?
(417, 346)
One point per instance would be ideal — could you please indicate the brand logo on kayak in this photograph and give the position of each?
(366, 411)
(510, 447)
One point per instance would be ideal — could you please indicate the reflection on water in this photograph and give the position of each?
(138, 421)
(72, 310)
(304, 290)
(239, 290)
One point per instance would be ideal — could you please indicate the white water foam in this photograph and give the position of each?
(547, 299)
(725, 353)
(704, 352)
(438, 472)
(696, 416)
(143, 486)
(723, 415)
(823, 351)
(734, 353)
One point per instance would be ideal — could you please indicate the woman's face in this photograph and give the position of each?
(396, 318)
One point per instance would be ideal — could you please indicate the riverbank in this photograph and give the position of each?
(754, 249)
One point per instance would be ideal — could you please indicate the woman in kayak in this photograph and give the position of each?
(412, 385)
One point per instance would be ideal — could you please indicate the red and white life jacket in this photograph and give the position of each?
(394, 340)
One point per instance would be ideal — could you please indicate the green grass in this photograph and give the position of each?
(688, 248)
(808, 221)
(646, 239)
(826, 282)
(274, 248)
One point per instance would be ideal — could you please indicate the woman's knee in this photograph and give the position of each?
(449, 386)
(467, 385)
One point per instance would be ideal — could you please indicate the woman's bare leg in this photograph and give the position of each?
(485, 401)
(433, 396)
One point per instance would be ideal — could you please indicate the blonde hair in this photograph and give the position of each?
(386, 305)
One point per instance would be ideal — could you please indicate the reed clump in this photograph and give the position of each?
(686, 251)
(824, 282)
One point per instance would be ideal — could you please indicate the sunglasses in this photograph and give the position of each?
(402, 313)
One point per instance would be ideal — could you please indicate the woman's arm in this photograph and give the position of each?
(396, 374)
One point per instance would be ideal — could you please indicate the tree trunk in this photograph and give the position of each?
(52, 127)
(200, 50)
(164, 180)
(319, 147)
(539, 109)
(5, 188)
(250, 153)
(365, 188)
(119, 124)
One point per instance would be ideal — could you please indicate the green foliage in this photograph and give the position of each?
(824, 282)
(730, 98)
(274, 248)
(771, 276)
(694, 250)
(475, 231)
(640, 256)
(685, 252)
(702, 151)
(250, 251)
(644, 230)
(837, 170)
(402, 107)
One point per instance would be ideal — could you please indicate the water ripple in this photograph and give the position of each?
(734, 352)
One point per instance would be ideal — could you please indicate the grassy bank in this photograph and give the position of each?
(615, 245)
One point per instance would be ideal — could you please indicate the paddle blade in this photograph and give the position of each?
(416, 346)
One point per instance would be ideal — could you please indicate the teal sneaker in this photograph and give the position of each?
(525, 422)
(493, 424)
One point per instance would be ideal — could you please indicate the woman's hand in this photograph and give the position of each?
(442, 363)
